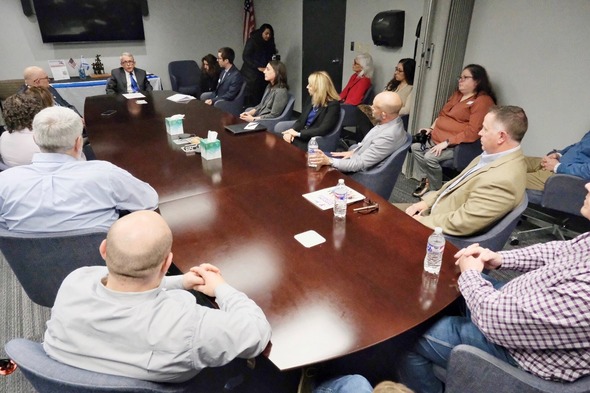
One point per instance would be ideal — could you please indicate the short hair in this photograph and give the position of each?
(42, 93)
(391, 387)
(366, 62)
(126, 54)
(31, 73)
(323, 87)
(227, 54)
(390, 102)
(19, 111)
(480, 76)
(56, 128)
(281, 74)
(513, 120)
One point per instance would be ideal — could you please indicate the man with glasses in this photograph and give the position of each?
(37, 77)
(230, 80)
(127, 78)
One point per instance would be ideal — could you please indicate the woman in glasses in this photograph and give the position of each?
(360, 81)
(459, 121)
(403, 83)
(275, 96)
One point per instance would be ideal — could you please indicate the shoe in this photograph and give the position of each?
(422, 188)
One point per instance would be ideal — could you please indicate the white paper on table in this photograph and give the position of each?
(58, 68)
(181, 98)
(310, 238)
(131, 96)
(324, 199)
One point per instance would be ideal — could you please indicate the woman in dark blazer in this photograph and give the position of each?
(320, 116)
(258, 51)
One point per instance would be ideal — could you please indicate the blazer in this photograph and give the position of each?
(117, 83)
(480, 199)
(324, 122)
(376, 146)
(229, 85)
(273, 102)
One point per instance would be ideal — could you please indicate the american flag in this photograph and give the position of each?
(249, 20)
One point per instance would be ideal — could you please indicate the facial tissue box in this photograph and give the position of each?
(211, 147)
(174, 125)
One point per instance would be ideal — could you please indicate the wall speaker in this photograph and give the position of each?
(144, 8)
(387, 28)
(27, 7)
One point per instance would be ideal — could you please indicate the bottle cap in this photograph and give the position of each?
(341, 181)
(438, 230)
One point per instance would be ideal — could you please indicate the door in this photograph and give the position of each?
(323, 40)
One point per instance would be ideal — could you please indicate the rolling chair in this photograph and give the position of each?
(185, 77)
(285, 115)
(464, 153)
(41, 261)
(327, 142)
(235, 106)
(382, 177)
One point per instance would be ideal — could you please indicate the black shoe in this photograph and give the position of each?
(422, 188)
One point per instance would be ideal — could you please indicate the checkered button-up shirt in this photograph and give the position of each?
(543, 316)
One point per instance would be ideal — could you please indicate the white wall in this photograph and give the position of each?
(174, 30)
(538, 55)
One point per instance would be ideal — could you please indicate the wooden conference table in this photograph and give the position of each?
(364, 285)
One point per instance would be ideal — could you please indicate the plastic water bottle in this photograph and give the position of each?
(340, 199)
(312, 146)
(434, 251)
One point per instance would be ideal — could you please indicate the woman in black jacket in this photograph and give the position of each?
(258, 51)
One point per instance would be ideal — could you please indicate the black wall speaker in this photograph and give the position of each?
(387, 28)
(27, 7)
(144, 8)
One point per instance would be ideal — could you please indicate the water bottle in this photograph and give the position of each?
(312, 146)
(340, 199)
(434, 251)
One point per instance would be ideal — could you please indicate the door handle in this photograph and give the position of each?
(335, 61)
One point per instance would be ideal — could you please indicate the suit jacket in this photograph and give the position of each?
(376, 146)
(58, 99)
(117, 83)
(324, 122)
(481, 199)
(229, 87)
(273, 102)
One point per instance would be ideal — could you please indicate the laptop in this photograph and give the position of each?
(243, 128)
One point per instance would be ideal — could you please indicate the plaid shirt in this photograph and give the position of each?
(542, 317)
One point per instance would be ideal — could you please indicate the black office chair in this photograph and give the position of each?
(235, 106)
(284, 116)
(185, 77)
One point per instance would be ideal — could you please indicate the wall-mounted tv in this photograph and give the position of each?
(89, 20)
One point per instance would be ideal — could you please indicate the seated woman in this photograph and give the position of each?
(210, 71)
(320, 116)
(360, 81)
(275, 96)
(459, 121)
(17, 145)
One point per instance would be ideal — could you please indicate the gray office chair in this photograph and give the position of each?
(463, 154)
(50, 376)
(382, 177)
(3, 166)
(495, 237)
(41, 261)
(326, 143)
(185, 77)
(285, 115)
(235, 106)
(471, 370)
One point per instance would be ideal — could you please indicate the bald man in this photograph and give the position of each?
(37, 77)
(129, 319)
(379, 143)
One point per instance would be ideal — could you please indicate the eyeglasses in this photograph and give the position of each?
(400, 70)
(129, 62)
(368, 207)
(40, 79)
(462, 78)
(7, 366)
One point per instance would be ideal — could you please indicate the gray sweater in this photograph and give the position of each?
(273, 102)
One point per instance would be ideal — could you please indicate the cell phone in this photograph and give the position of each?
(109, 112)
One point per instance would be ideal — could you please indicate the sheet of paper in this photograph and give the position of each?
(131, 96)
(310, 238)
(181, 98)
(58, 68)
(251, 125)
(324, 199)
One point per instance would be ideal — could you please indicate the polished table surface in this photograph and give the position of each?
(364, 285)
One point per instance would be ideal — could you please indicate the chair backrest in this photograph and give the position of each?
(185, 77)
(463, 154)
(494, 238)
(564, 193)
(235, 106)
(368, 97)
(285, 115)
(382, 177)
(3, 166)
(48, 375)
(41, 261)
(329, 141)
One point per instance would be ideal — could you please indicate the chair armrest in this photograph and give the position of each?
(283, 126)
(564, 193)
(209, 94)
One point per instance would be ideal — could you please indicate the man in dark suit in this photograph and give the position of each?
(127, 78)
(230, 80)
(37, 77)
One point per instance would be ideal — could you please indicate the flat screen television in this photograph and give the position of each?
(89, 20)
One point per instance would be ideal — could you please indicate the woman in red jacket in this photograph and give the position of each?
(360, 81)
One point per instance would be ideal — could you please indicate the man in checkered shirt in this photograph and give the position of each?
(539, 321)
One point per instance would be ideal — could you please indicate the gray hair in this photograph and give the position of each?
(366, 61)
(56, 128)
(125, 54)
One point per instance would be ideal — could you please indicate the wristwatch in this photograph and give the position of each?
(331, 161)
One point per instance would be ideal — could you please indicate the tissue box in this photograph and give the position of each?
(210, 150)
(174, 126)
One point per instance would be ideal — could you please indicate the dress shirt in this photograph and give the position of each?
(158, 335)
(59, 193)
(541, 317)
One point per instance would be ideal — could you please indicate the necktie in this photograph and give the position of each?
(133, 83)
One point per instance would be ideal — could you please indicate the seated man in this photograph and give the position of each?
(491, 186)
(58, 191)
(383, 139)
(129, 319)
(230, 80)
(538, 321)
(573, 160)
(127, 78)
(37, 77)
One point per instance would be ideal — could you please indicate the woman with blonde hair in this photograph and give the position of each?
(320, 116)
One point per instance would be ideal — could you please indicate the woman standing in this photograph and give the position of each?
(258, 51)
(320, 116)
(210, 71)
(360, 80)
(275, 96)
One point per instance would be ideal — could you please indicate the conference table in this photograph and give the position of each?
(364, 285)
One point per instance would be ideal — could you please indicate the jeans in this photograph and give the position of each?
(345, 384)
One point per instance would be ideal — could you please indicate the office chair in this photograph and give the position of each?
(41, 261)
(382, 177)
(463, 154)
(235, 106)
(351, 112)
(326, 143)
(285, 115)
(473, 370)
(496, 236)
(185, 77)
